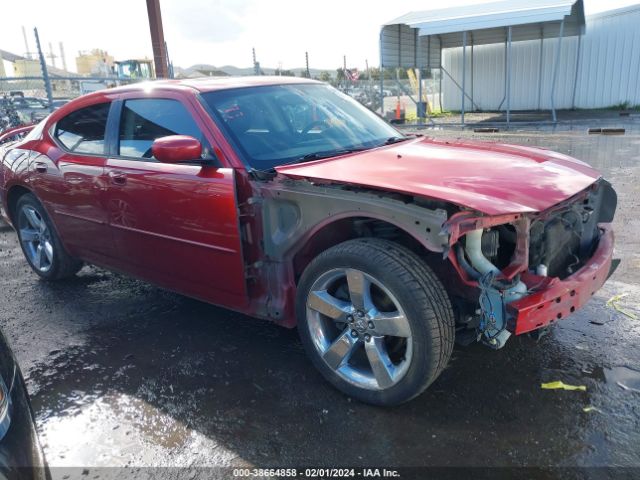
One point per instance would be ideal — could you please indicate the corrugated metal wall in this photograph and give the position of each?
(608, 68)
(400, 48)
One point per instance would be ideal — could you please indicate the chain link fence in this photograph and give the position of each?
(398, 99)
(24, 100)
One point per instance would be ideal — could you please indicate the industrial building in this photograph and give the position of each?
(95, 63)
(521, 55)
(607, 66)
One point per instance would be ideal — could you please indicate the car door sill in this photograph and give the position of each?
(175, 239)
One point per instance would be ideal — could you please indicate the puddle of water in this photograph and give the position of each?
(116, 429)
(624, 377)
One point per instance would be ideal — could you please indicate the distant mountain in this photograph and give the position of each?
(206, 70)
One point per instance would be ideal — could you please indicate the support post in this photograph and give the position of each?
(440, 90)
(45, 73)
(508, 67)
(540, 64)
(472, 71)
(575, 78)
(464, 76)
(504, 97)
(381, 79)
(417, 70)
(555, 73)
(420, 102)
(441, 69)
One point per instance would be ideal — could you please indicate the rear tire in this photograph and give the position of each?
(40, 242)
(375, 320)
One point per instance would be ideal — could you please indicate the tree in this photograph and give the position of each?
(374, 73)
(285, 73)
(324, 76)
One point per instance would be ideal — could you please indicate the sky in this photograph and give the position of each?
(222, 32)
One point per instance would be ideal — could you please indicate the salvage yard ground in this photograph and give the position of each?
(124, 374)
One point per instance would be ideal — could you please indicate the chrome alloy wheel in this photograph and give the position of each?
(359, 329)
(36, 238)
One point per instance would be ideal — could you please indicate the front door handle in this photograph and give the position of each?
(41, 167)
(118, 178)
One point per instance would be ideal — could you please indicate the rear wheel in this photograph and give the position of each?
(375, 320)
(40, 243)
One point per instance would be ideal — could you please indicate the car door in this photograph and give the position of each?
(175, 225)
(68, 177)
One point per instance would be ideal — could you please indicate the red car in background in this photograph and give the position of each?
(286, 200)
(15, 133)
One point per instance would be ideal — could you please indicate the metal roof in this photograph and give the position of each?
(10, 57)
(415, 39)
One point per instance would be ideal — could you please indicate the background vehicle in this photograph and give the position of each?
(135, 69)
(9, 115)
(20, 454)
(14, 134)
(59, 102)
(31, 109)
(287, 200)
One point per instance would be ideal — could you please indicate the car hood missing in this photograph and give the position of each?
(492, 178)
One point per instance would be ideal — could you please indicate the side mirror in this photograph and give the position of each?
(176, 149)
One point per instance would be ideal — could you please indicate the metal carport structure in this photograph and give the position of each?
(416, 40)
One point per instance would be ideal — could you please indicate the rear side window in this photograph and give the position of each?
(145, 120)
(83, 131)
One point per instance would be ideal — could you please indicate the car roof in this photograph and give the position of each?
(207, 84)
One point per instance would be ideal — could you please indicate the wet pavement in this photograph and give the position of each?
(124, 374)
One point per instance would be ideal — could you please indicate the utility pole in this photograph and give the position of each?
(157, 39)
(344, 72)
(306, 57)
(52, 55)
(169, 62)
(256, 63)
(43, 66)
(366, 62)
(26, 44)
(64, 60)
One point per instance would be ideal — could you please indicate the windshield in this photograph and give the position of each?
(278, 124)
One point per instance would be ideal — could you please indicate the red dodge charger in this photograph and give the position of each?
(286, 200)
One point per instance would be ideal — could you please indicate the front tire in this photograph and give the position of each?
(40, 243)
(375, 320)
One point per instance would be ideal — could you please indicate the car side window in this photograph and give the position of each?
(83, 131)
(144, 120)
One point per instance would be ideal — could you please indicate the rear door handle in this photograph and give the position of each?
(41, 167)
(117, 177)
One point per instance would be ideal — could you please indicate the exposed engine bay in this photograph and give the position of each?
(559, 243)
(498, 269)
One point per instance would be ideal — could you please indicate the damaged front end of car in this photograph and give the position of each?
(522, 272)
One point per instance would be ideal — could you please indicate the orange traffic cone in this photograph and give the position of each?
(398, 110)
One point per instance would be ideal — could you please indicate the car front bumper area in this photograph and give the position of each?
(554, 299)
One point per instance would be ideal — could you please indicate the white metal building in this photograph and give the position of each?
(412, 40)
(600, 68)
